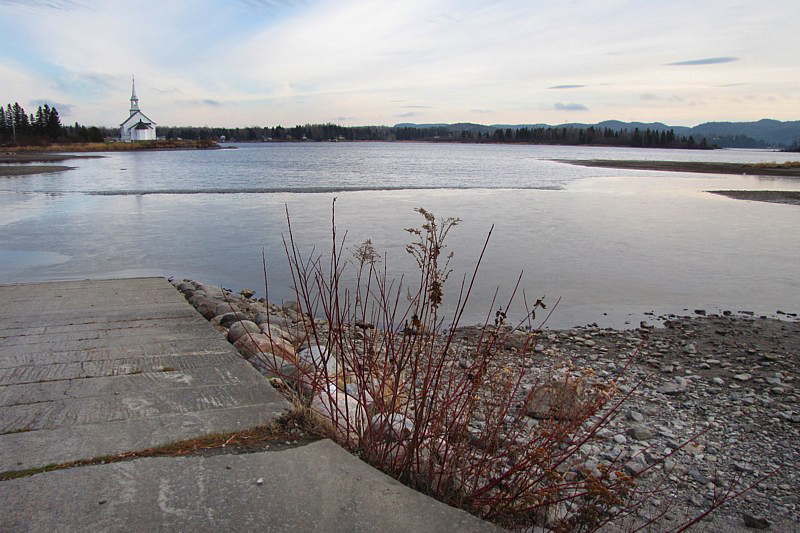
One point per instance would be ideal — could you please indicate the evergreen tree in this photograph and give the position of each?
(53, 125)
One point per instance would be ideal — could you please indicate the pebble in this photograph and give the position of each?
(737, 404)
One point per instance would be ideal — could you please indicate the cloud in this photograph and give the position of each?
(482, 111)
(261, 4)
(650, 97)
(207, 102)
(566, 86)
(705, 61)
(407, 115)
(417, 107)
(570, 107)
(63, 109)
(44, 4)
(344, 119)
(166, 90)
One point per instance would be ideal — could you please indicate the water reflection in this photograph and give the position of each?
(612, 244)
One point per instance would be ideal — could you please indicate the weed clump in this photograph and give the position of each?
(474, 417)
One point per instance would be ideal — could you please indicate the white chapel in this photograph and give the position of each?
(137, 127)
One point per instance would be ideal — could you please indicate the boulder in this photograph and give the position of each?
(247, 293)
(187, 288)
(204, 305)
(256, 344)
(391, 427)
(223, 308)
(275, 331)
(318, 358)
(558, 399)
(212, 291)
(273, 320)
(227, 319)
(292, 306)
(242, 328)
(348, 416)
(274, 366)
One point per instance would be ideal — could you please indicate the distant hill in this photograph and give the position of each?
(765, 132)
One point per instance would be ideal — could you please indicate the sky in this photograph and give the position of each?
(354, 62)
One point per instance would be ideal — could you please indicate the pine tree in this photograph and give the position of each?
(53, 123)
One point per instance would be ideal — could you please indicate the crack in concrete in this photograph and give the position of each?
(276, 446)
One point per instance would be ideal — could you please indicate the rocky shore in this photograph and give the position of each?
(757, 169)
(713, 400)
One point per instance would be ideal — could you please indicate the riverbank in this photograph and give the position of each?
(712, 401)
(791, 169)
(116, 147)
(775, 197)
(18, 170)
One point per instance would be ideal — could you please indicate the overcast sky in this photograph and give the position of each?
(270, 62)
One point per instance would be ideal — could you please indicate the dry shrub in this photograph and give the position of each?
(459, 417)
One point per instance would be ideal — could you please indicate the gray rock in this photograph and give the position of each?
(204, 305)
(242, 328)
(272, 320)
(743, 377)
(392, 427)
(635, 467)
(292, 306)
(641, 432)
(226, 319)
(224, 307)
(698, 476)
(755, 522)
(636, 416)
(673, 387)
(319, 358)
(690, 349)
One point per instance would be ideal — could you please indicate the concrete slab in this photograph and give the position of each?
(92, 368)
(318, 487)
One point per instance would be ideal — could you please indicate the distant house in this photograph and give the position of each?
(137, 127)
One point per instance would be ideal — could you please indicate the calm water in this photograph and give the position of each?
(611, 243)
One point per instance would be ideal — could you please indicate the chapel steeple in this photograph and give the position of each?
(134, 100)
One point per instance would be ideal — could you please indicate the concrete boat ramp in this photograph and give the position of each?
(90, 369)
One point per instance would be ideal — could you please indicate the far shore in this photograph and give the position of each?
(27, 170)
(114, 147)
(35, 157)
(775, 197)
(761, 169)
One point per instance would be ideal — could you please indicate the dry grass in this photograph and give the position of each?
(298, 426)
(772, 164)
(116, 146)
(464, 420)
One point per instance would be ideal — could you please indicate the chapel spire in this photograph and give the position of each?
(134, 100)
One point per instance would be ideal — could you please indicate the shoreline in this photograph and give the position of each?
(760, 169)
(727, 383)
(774, 197)
(29, 170)
(113, 147)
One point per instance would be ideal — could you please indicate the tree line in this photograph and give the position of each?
(43, 127)
(543, 135)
